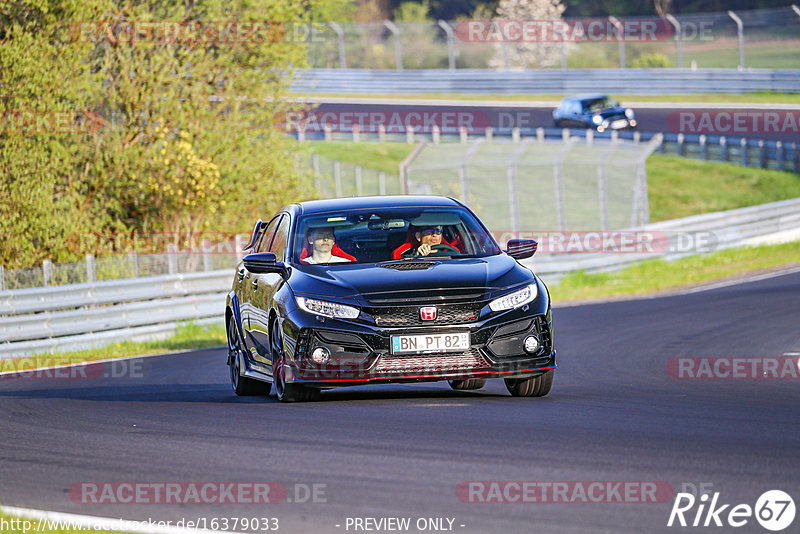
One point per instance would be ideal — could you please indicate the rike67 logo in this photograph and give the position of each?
(774, 510)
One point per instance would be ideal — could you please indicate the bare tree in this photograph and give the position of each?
(540, 51)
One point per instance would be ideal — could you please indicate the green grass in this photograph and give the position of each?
(659, 275)
(188, 336)
(384, 157)
(679, 187)
(749, 98)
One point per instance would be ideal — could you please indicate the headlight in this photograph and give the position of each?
(328, 309)
(597, 119)
(629, 113)
(515, 299)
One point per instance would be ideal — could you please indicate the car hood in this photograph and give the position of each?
(612, 112)
(446, 279)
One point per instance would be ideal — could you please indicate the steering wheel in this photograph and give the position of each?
(435, 249)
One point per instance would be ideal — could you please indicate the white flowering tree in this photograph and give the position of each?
(539, 49)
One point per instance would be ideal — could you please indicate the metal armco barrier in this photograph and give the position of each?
(726, 229)
(81, 316)
(666, 81)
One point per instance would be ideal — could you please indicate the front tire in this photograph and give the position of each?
(470, 383)
(242, 385)
(287, 392)
(537, 386)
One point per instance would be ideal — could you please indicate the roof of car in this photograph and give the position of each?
(590, 96)
(387, 201)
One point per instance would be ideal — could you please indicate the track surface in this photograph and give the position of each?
(650, 119)
(384, 451)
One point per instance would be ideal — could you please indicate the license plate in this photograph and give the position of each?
(454, 342)
(621, 123)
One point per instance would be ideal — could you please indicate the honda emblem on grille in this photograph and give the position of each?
(427, 313)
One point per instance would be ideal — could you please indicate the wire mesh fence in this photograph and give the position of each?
(749, 38)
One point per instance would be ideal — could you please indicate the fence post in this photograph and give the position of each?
(779, 154)
(589, 137)
(2, 278)
(301, 134)
(703, 147)
(47, 272)
(743, 143)
(620, 39)
(328, 133)
(340, 38)
(382, 183)
(540, 134)
(489, 133)
(762, 154)
(678, 38)
(337, 177)
(172, 259)
(723, 149)
(796, 158)
(614, 136)
(515, 134)
(208, 260)
(463, 134)
(356, 133)
(134, 263)
(398, 52)
(315, 167)
(740, 33)
(463, 181)
(637, 137)
(451, 52)
(381, 133)
(359, 190)
(91, 275)
(681, 144)
(410, 135)
(565, 135)
(563, 54)
(435, 134)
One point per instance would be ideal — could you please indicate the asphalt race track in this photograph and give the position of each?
(401, 451)
(650, 118)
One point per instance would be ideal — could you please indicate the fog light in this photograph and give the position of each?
(320, 355)
(531, 344)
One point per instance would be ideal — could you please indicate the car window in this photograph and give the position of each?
(278, 245)
(386, 234)
(262, 245)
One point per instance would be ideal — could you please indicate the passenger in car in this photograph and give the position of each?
(324, 248)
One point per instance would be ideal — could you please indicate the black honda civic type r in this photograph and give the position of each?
(389, 289)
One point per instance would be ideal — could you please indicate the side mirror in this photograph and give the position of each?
(265, 262)
(519, 249)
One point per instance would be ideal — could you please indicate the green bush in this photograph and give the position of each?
(650, 61)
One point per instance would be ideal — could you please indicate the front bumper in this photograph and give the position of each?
(361, 354)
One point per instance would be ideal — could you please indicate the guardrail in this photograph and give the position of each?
(719, 230)
(547, 81)
(82, 316)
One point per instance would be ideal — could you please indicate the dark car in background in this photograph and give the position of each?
(377, 310)
(598, 112)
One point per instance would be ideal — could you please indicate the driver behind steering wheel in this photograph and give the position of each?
(428, 237)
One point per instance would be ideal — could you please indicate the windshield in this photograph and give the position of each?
(598, 104)
(385, 234)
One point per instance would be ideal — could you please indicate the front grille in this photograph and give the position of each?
(431, 364)
(409, 315)
(409, 266)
